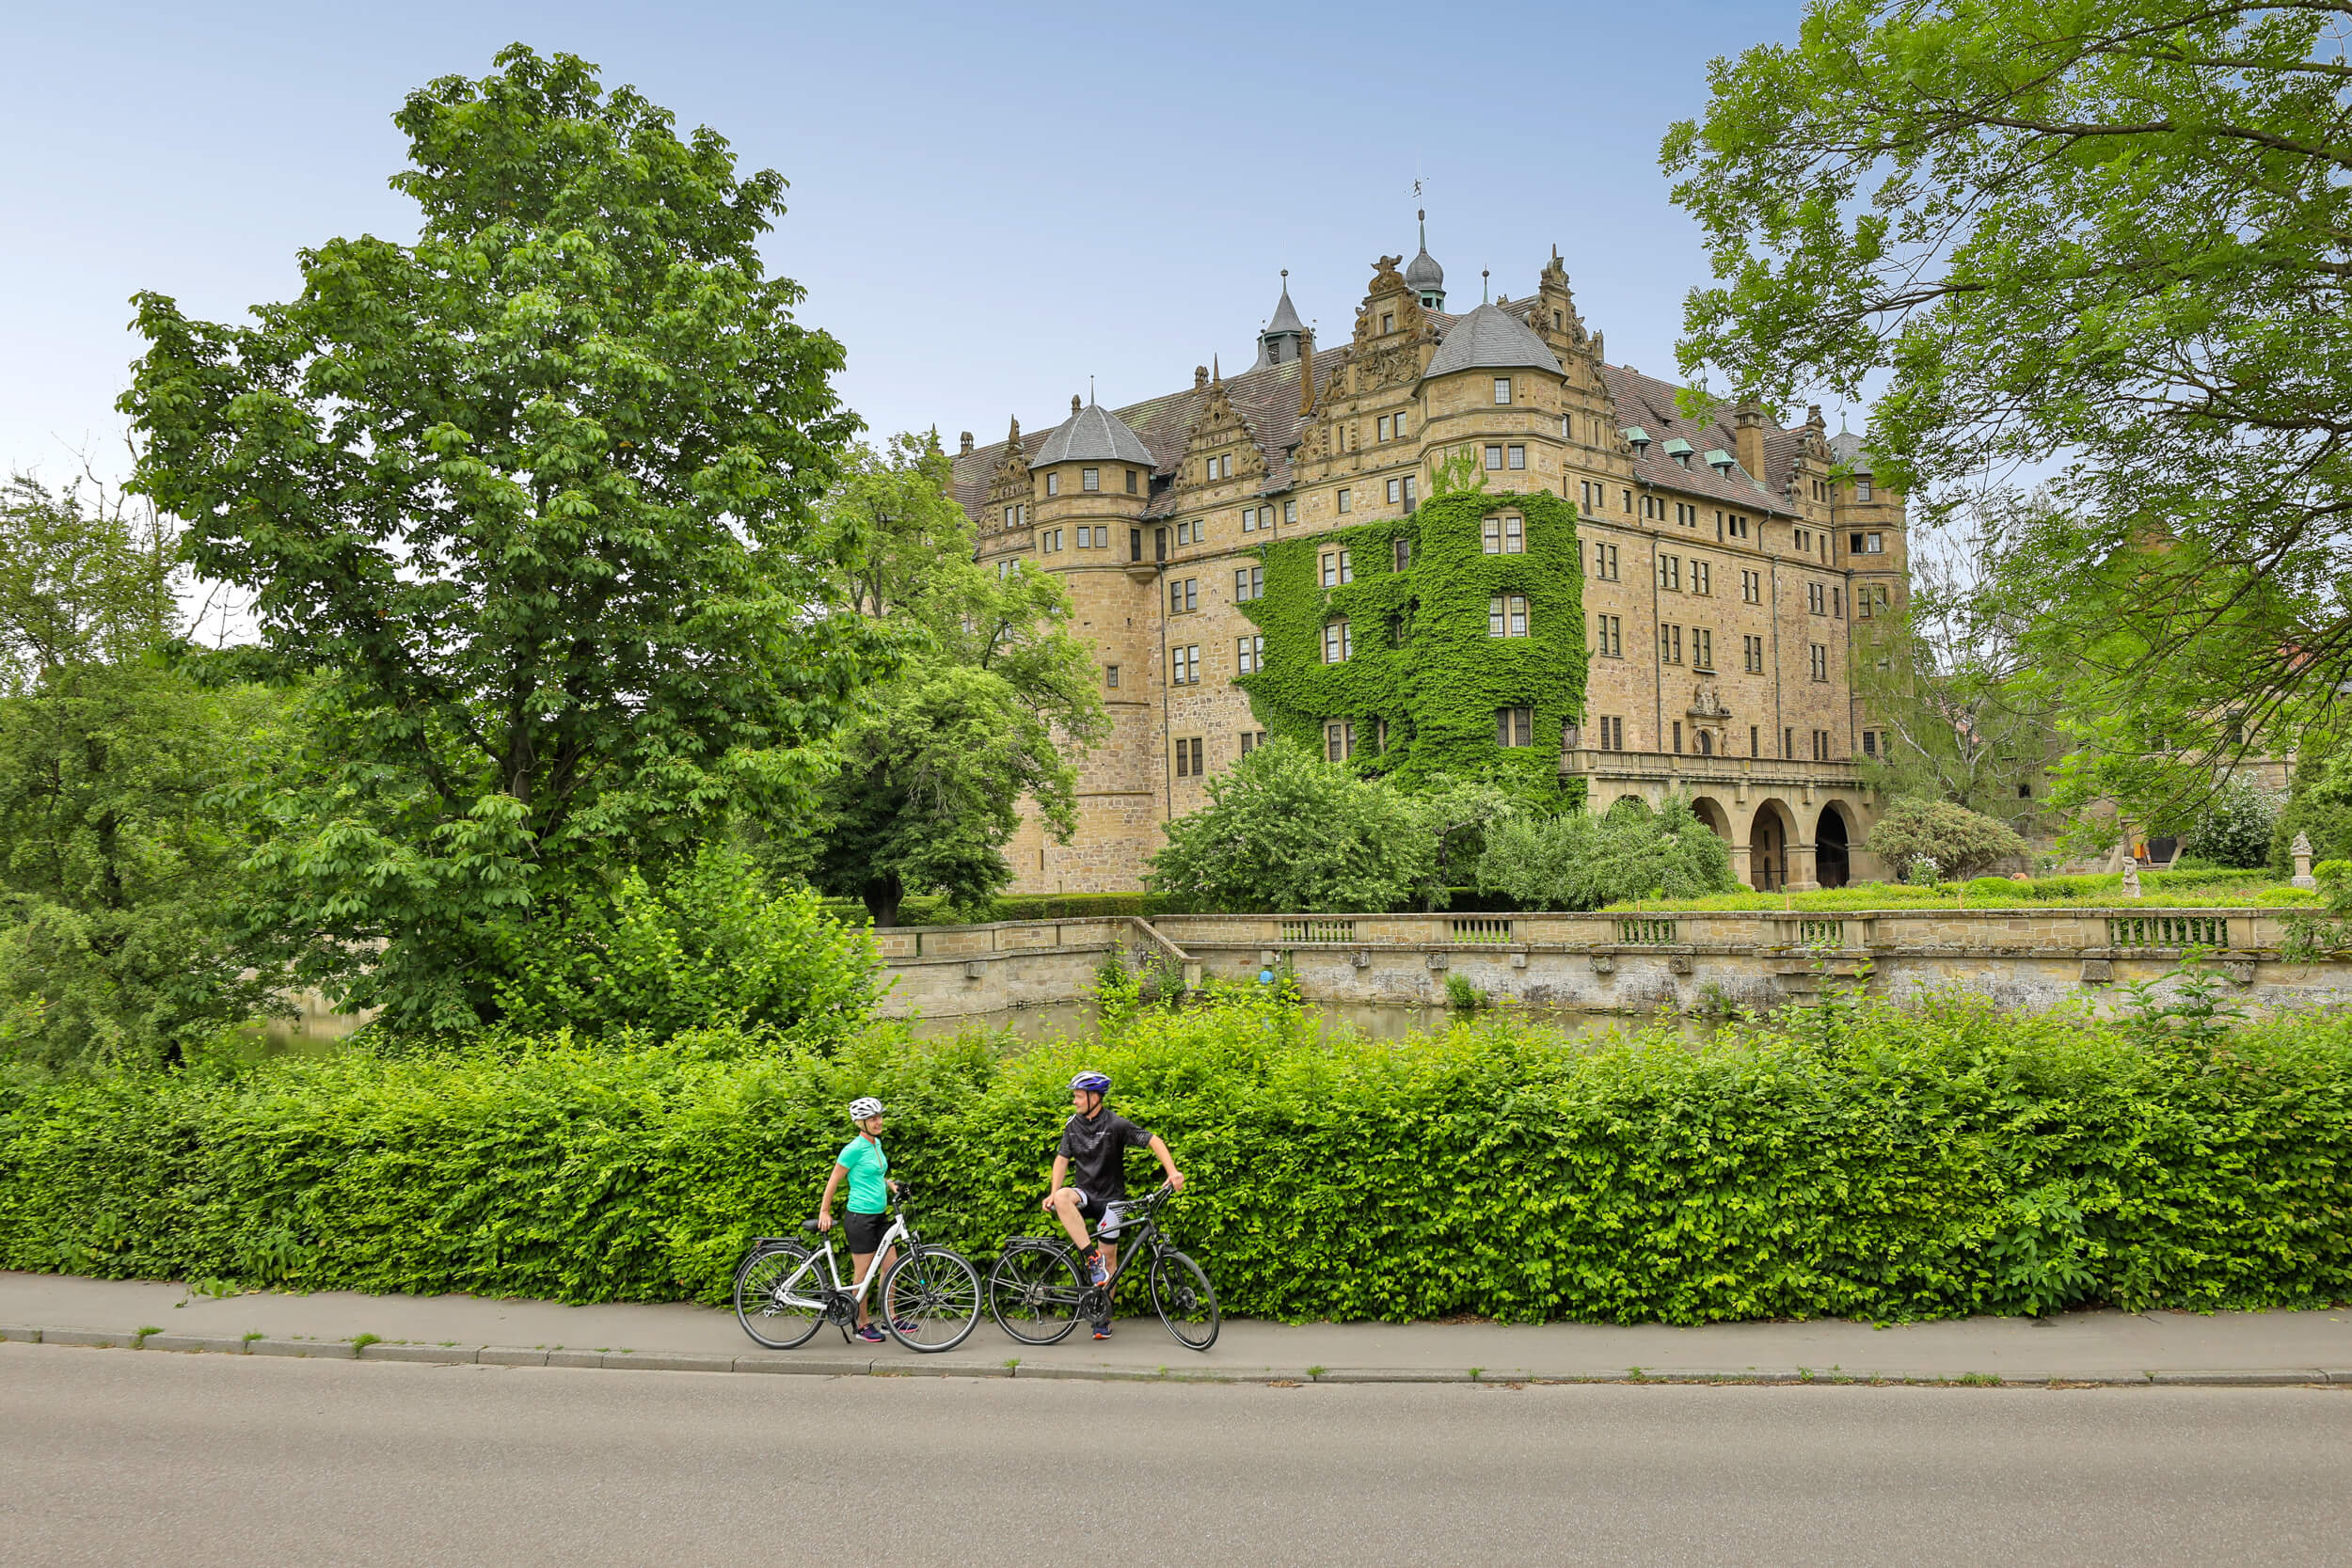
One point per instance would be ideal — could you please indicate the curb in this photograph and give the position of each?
(835, 1366)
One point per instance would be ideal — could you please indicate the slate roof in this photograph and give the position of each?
(1093, 433)
(1286, 315)
(1847, 451)
(1266, 399)
(1492, 338)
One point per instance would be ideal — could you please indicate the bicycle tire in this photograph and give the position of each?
(759, 1303)
(1035, 1292)
(1184, 1299)
(930, 1300)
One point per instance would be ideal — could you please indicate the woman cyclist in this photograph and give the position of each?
(867, 1168)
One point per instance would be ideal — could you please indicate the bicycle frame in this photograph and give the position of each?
(834, 1290)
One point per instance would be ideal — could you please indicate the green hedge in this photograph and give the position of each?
(922, 910)
(1894, 1165)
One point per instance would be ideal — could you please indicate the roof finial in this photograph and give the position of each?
(1089, 389)
(1217, 375)
(1484, 272)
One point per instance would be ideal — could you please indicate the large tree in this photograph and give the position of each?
(119, 851)
(530, 505)
(994, 705)
(2109, 241)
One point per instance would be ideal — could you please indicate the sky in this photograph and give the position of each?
(988, 205)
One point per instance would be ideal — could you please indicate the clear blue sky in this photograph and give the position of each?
(988, 203)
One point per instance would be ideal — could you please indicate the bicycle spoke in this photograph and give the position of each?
(780, 1297)
(930, 1301)
(1035, 1293)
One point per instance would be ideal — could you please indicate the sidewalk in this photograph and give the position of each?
(2088, 1347)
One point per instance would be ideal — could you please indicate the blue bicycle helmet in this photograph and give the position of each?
(1092, 1081)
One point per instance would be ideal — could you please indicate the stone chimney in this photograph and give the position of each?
(1747, 435)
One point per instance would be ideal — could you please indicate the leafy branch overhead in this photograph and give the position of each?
(2107, 243)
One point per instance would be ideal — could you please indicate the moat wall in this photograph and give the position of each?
(1624, 964)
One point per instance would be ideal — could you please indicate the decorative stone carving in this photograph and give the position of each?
(2098, 971)
(2131, 875)
(1707, 703)
(2301, 850)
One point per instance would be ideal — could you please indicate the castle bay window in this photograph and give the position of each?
(1515, 727)
(1090, 478)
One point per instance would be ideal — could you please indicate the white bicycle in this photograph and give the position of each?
(786, 1291)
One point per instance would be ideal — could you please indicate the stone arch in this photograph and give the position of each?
(1771, 841)
(1833, 844)
(1709, 810)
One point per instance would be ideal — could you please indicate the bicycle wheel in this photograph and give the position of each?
(931, 1299)
(1185, 1300)
(780, 1297)
(1034, 1292)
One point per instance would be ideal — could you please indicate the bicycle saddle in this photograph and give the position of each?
(809, 1225)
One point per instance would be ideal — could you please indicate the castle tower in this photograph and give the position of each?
(1424, 276)
(1283, 336)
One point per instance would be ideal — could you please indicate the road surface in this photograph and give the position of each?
(140, 1457)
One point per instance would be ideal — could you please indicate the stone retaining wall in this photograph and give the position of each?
(1619, 963)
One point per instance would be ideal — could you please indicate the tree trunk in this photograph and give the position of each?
(883, 895)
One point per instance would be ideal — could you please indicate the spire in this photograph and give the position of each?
(1279, 340)
(1216, 376)
(1424, 276)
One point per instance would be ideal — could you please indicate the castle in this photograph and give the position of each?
(1726, 564)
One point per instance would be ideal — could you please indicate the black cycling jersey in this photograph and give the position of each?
(1096, 1150)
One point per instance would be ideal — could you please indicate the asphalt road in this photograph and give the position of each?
(130, 1457)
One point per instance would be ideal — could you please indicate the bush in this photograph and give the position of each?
(1580, 862)
(1286, 830)
(2233, 829)
(1859, 1162)
(1957, 843)
(715, 945)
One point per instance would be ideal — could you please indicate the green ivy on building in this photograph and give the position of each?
(1423, 677)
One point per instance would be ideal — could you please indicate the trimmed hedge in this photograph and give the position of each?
(1865, 1163)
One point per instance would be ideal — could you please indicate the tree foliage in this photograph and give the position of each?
(1285, 830)
(1949, 843)
(2107, 238)
(2234, 826)
(530, 504)
(1577, 861)
(995, 703)
(118, 855)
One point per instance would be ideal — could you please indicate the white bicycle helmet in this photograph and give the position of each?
(864, 1106)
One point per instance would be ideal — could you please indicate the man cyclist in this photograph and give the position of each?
(1094, 1148)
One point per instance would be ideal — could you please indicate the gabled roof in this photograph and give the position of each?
(1093, 433)
(1645, 402)
(1490, 338)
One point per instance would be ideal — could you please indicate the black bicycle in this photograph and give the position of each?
(1038, 1290)
(786, 1291)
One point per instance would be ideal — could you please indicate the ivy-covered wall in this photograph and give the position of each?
(1421, 657)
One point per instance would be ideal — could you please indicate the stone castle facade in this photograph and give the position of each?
(1728, 563)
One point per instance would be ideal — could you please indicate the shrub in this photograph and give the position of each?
(1856, 1162)
(715, 945)
(1575, 861)
(2233, 828)
(1284, 829)
(1959, 843)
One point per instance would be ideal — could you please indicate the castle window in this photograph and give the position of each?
(1248, 656)
(1183, 594)
(1336, 643)
(1515, 727)
(1506, 615)
(1400, 427)
(1753, 742)
(1339, 741)
(1613, 734)
(1396, 492)
(1090, 478)
(1494, 457)
(1670, 573)
(1053, 484)
(1387, 321)
(1669, 645)
(1677, 734)
(1838, 603)
(1502, 390)
(1519, 457)
(1702, 578)
(1789, 743)
(1605, 562)
(1410, 499)
(1629, 499)
(1347, 566)
(1251, 740)
(1290, 512)
(1188, 758)
(1131, 482)
(1862, 489)
(1009, 517)
(1821, 661)
(1752, 655)
(1188, 665)
(1609, 636)
(1347, 500)
(1739, 526)
(1159, 544)
(1224, 466)
(1702, 648)
(1110, 676)
(1384, 427)
(1869, 743)
(1752, 587)
(1402, 554)
(1248, 583)
(1816, 601)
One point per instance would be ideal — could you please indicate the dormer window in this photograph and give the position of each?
(1387, 321)
(1719, 459)
(1680, 449)
(1636, 437)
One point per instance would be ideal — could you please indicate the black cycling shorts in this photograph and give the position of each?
(866, 1232)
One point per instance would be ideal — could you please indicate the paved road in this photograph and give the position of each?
(135, 1457)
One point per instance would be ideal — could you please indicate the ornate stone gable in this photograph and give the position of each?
(1010, 482)
(1219, 430)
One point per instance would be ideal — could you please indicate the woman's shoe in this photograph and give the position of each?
(873, 1335)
